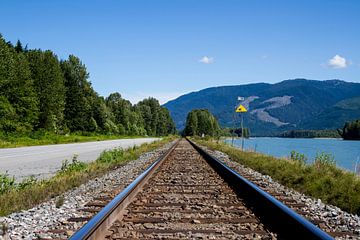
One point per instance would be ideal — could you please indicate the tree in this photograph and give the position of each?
(157, 121)
(191, 124)
(77, 107)
(8, 118)
(121, 110)
(199, 122)
(24, 98)
(18, 47)
(49, 85)
(238, 131)
(16, 89)
(351, 130)
(165, 124)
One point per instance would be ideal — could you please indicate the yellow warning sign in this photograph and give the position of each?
(241, 108)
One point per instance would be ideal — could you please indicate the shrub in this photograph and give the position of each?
(75, 165)
(27, 182)
(324, 160)
(298, 157)
(6, 183)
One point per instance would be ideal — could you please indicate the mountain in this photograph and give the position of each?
(274, 108)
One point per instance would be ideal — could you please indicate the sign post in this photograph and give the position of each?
(241, 109)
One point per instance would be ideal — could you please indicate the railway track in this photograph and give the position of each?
(188, 194)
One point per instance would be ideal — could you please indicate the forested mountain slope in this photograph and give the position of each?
(273, 108)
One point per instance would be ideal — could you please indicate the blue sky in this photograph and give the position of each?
(167, 48)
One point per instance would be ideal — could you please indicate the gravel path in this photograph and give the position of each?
(45, 161)
(36, 222)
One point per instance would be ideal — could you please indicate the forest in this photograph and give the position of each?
(40, 92)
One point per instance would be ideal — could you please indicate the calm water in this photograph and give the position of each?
(346, 153)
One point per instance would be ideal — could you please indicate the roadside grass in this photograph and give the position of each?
(44, 138)
(320, 179)
(19, 196)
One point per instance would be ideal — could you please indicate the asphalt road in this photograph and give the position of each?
(45, 161)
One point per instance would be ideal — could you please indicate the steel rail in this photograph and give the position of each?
(273, 213)
(97, 225)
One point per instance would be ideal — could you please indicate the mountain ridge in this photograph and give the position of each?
(274, 107)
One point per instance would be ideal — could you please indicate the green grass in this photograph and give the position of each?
(44, 138)
(18, 196)
(322, 179)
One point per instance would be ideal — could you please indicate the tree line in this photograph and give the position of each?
(351, 130)
(40, 92)
(328, 133)
(201, 122)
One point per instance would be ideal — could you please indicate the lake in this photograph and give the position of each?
(346, 153)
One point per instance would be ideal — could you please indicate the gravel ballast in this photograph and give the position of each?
(38, 221)
(332, 218)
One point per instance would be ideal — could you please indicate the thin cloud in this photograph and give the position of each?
(338, 62)
(206, 60)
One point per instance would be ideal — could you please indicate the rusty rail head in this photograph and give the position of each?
(101, 221)
(273, 213)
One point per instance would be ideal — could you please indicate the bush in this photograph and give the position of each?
(74, 166)
(6, 183)
(324, 160)
(26, 182)
(298, 157)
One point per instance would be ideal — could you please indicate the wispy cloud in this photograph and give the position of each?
(338, 62)
(207, 60)
(264, 56)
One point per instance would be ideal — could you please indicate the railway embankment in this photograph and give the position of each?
(331, 196)
(63, 215)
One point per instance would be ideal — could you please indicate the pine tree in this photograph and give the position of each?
(49, 85)
(16, 89)
(81, 99)
(19, 47)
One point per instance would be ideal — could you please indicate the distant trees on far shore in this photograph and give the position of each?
(310, 134)
(351, 130)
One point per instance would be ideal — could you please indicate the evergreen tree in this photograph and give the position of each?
(49, 85)
(100, 112)
(121, 110)
(201, 121)
(77, 107)
(19, 47)
(351, 130)
(82, 102)
(16, 89)
(157, 121)
(25, 99)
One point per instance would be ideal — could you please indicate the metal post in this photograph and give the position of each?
(242, 132)
(233, 130)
